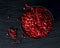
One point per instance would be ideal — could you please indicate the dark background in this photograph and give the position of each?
(13, 8)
